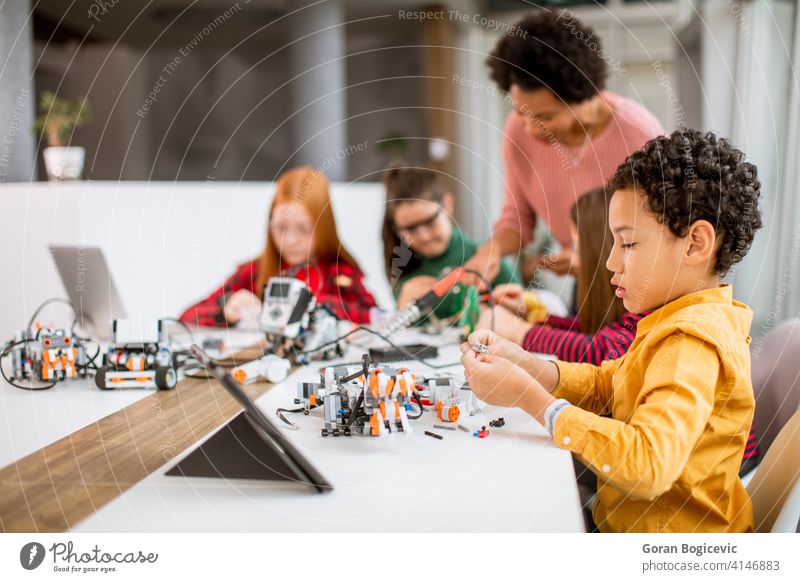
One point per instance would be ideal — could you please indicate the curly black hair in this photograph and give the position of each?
(689, 176)
(552, 50)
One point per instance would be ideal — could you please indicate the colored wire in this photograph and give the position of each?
(50, 301)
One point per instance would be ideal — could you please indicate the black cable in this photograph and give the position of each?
(415, 396)
(402, 350)
(192, 359)
(5, 353)
(54, 300)
(181, 360)
(90, 362)
(405, 352)
(482, 278)
(490, 288)
(280, 412)
(330, 343)
(189, 330)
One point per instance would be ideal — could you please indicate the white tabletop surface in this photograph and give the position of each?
(514, 480)
(32, 420)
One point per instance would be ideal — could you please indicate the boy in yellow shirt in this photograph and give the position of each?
(684, 209)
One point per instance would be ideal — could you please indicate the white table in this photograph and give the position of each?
(514, 480)
(32, 420)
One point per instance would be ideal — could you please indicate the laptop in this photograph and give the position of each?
(91, 288)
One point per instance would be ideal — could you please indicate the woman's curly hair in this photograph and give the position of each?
(689, 176)
(553, 51)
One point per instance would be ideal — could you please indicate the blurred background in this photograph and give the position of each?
(222, 90)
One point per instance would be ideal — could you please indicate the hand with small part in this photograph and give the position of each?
(543, 371)
(495, 346)
(242, 304)
(500, 382)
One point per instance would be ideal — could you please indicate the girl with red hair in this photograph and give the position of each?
(302, 242)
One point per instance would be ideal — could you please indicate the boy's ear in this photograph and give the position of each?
(701, 243)
(449, 203)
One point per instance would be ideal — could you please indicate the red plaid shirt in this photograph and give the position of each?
(337, 286)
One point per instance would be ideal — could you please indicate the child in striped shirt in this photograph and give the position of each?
(603, 329)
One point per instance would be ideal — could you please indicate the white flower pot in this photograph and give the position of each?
(64, 163)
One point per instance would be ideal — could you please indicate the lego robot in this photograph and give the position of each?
(373, 400)
(138, 357)
(49, 355)
(295, 325)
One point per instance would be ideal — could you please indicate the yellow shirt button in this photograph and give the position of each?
(565, 440)
(606, 468)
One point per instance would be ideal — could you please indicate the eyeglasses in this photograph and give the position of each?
(413, 229)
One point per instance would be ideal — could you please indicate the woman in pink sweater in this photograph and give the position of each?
(565, 136)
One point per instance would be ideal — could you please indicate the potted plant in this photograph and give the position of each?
(57, 120)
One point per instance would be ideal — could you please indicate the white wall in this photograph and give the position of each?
(748, 79)
(167, 244)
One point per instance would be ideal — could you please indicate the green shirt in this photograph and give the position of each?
(458, 252)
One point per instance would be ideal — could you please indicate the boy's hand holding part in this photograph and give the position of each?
(504, 374)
